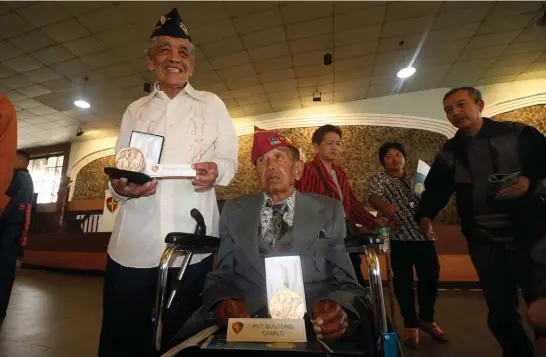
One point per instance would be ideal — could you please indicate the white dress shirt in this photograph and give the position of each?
(197, 128)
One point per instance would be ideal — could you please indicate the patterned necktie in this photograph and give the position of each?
(277, 226)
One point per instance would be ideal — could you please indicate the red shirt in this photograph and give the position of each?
(315, 179)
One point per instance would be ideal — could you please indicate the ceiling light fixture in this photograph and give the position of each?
(407, 71)
(317, 96)
(82, 103)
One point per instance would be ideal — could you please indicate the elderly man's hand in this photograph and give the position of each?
(207, 172)
(128, 189)
(330, 320)
(230, 308)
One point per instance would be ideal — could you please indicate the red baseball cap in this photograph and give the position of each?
(265, 141)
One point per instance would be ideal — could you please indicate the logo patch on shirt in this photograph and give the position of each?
(273, 140)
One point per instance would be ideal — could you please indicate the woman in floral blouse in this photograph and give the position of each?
(392, 194)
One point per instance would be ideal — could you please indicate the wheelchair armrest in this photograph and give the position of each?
(193, 242)
(362, 239)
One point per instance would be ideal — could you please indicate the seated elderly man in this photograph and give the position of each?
(282, 220)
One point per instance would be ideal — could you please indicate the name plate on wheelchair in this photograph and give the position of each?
(266, 330)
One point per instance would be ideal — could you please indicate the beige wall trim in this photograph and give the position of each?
(440, 126)
(513, 104)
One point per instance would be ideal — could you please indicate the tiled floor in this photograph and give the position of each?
(52, 315)
(58, 315)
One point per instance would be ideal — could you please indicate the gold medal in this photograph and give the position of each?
(286, 304)
(130, 159)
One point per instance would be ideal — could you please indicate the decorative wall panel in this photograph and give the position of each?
(359, 159)
(91, 181)
(534, 115)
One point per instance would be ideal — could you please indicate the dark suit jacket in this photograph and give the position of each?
(240, 271)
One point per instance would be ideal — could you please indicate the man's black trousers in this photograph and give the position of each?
(406, 255)
(502, 269)
(129, 296)
(10, 236)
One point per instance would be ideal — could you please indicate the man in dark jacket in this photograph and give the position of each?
(12, 223)
(497, 171)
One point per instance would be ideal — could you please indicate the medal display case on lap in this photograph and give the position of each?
(285, 289)
(286, 306)
(139, 163)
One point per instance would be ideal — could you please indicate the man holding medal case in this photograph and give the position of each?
(174, 128)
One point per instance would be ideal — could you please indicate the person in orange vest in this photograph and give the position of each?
(8, 146)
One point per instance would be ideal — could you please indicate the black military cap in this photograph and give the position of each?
(172, 25)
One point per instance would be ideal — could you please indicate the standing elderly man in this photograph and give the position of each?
(197, 129)
(281, 220)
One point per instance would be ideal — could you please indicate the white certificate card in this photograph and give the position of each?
(285, 288)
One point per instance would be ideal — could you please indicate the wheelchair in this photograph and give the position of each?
(187, 244)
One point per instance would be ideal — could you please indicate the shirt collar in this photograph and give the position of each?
(488, 129)
(289, 200)
(187, 89)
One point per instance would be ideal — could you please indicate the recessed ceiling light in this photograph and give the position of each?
(406, 72)
(82, 104)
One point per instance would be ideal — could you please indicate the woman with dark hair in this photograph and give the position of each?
(324, 177)
(392, 194)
